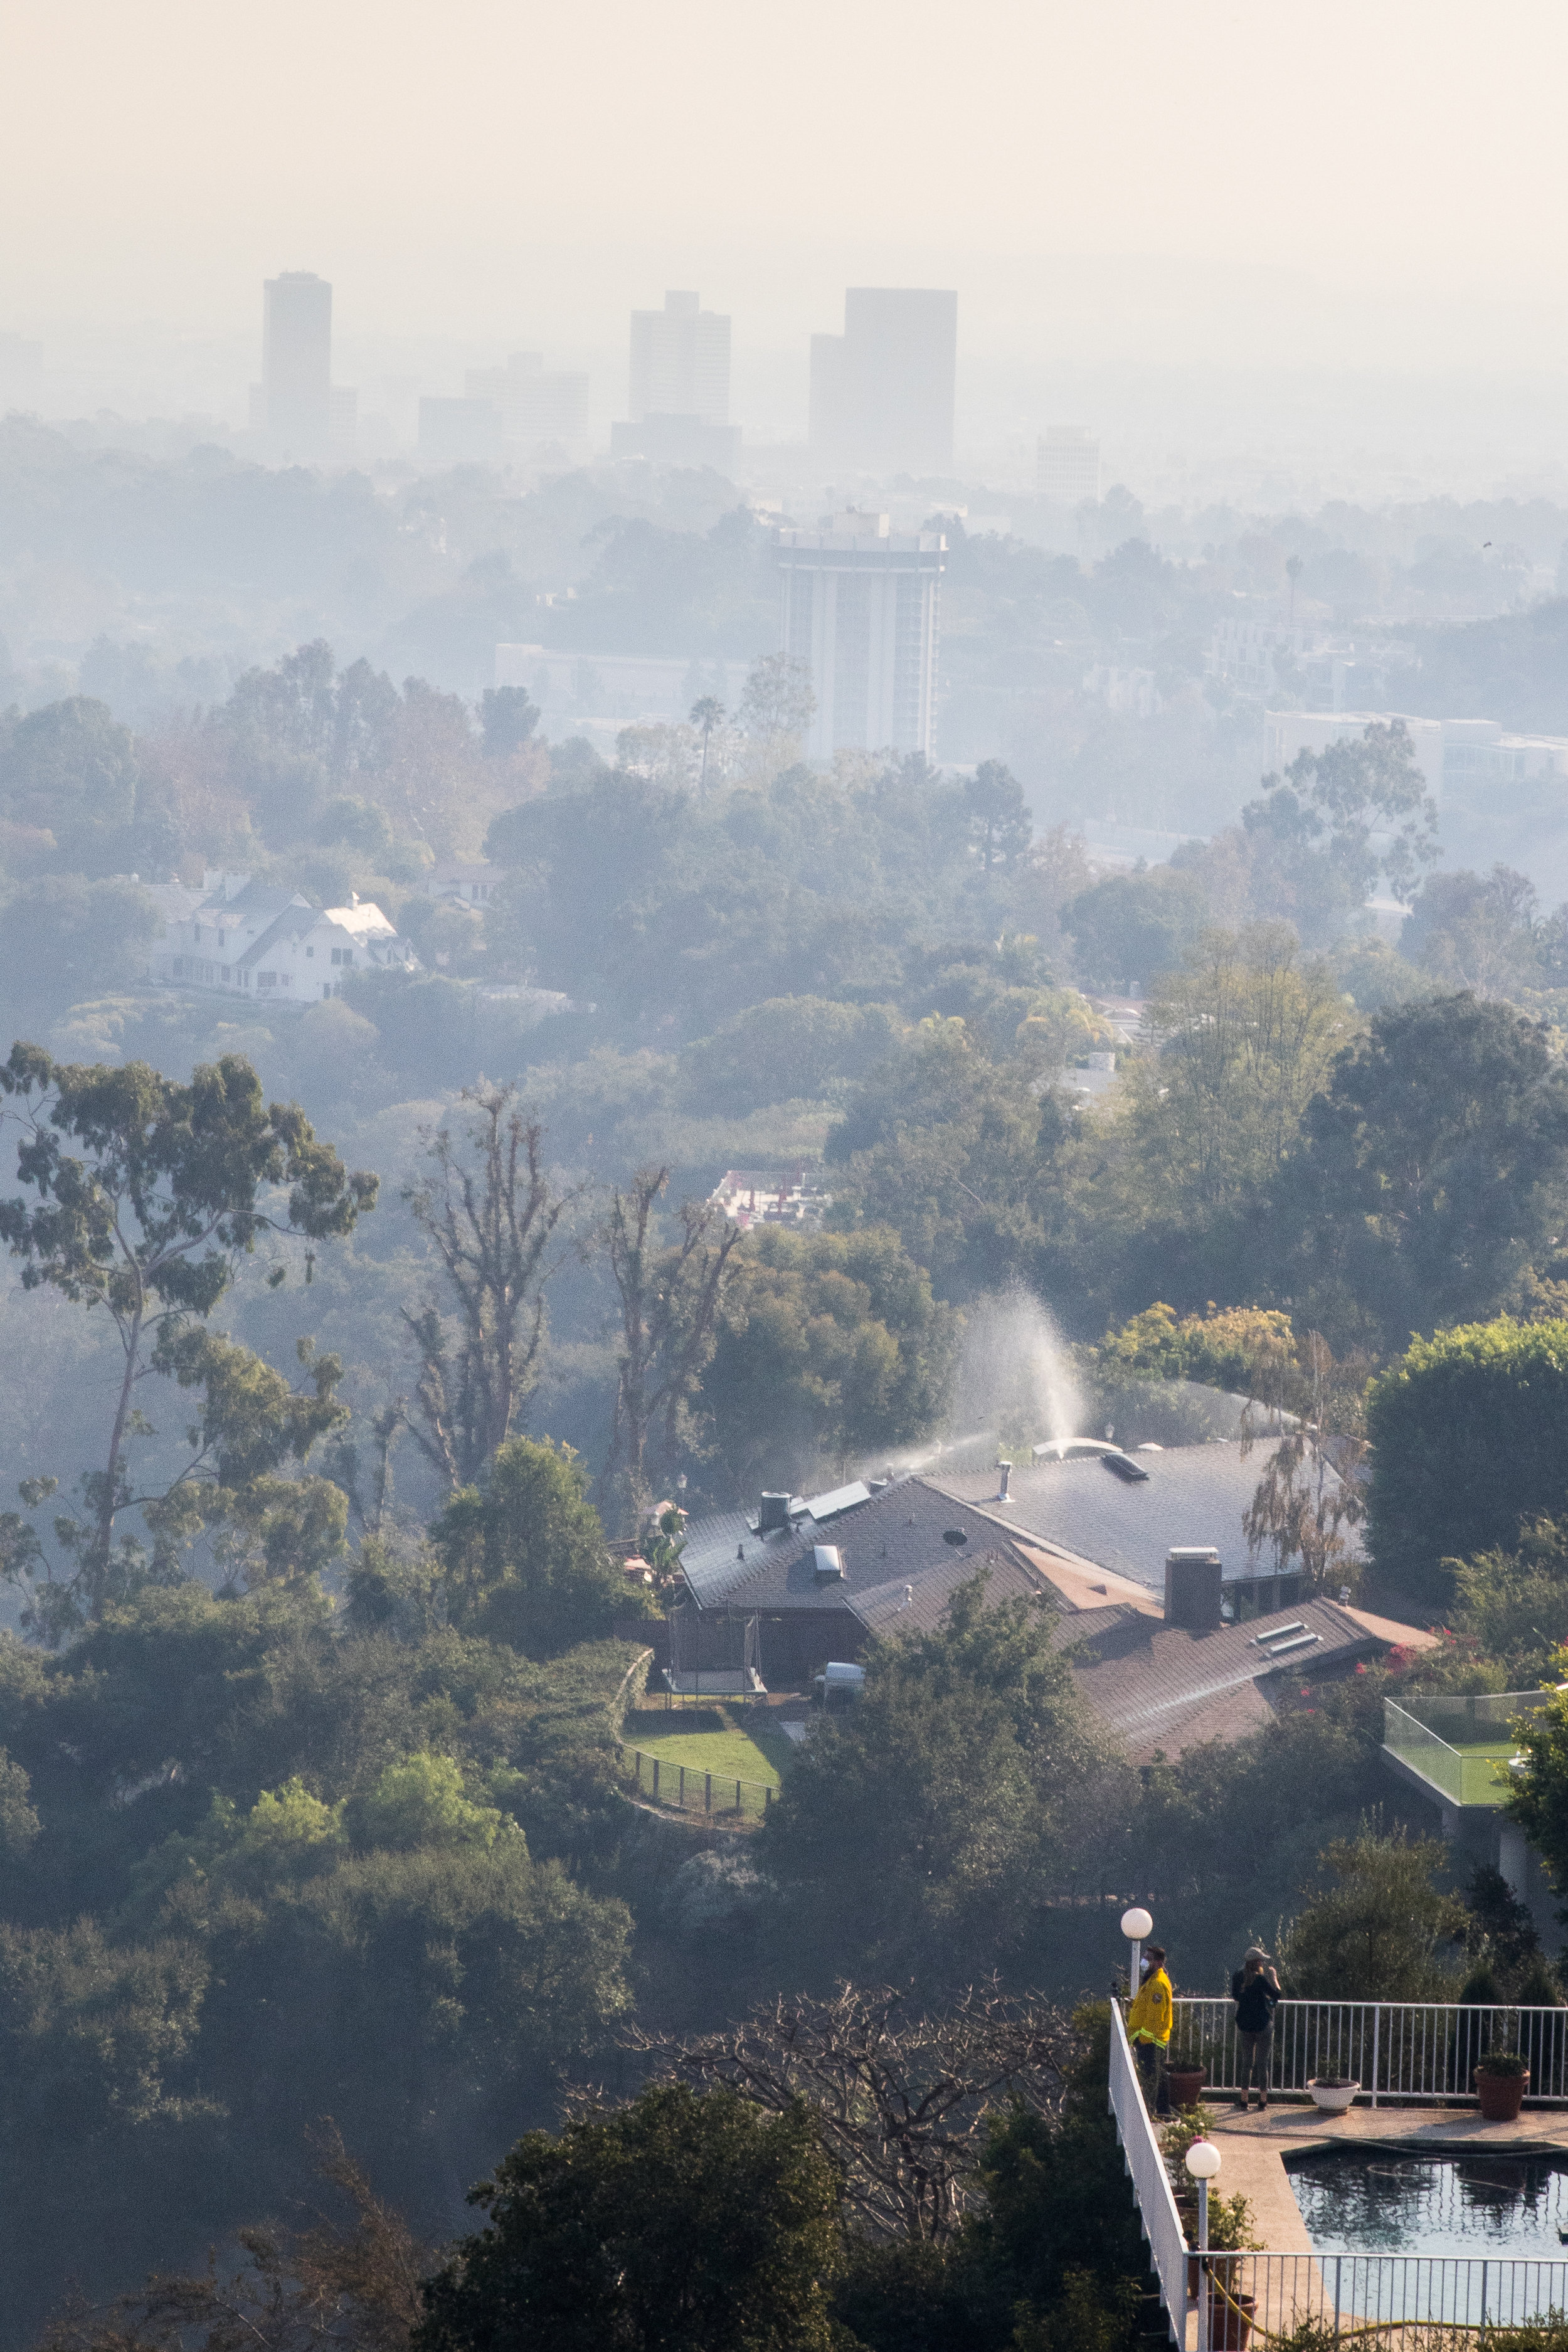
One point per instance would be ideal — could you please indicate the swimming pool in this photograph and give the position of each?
(1384, 2199)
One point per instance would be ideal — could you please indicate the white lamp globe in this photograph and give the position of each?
(1203, 2159)
(1136, 1924)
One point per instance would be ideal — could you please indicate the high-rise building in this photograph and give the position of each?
(297, 360)
(883, 392)
(681, 362)
(1067, 465)
(536, 406)
(861, 607)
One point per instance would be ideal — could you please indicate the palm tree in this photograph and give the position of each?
(705, 714)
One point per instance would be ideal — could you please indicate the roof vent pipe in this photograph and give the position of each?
(1006, 1470)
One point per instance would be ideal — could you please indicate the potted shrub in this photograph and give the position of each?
(1230, 2233)
(1332, 2093)
(1185, 2079)
(1503, 2079)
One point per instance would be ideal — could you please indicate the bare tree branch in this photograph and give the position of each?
(901, 2094)
(668, 1300)
(489, 1214)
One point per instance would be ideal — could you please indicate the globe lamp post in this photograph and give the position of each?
(1203, 2162)
(1135, 1925)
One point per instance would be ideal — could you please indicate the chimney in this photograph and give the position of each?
(1006, 1470)
(1192, 1588)
(773, 1515)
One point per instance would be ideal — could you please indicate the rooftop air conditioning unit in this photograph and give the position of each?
(1192, 1578)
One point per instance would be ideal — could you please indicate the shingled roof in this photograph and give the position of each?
(1191, 1495)
(902, 1535)
(1162, 1690)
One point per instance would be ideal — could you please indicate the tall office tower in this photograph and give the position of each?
(681, 362)
(535, 406)
(1067, 465)
(297, 360)
(882, 393)
(861, 607)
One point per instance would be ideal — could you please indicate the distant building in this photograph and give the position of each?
(1134, 690)
(825, 1578)
(679, 388)
(1260, 657)
(538, 408)
(861, 606)
(680, 362)
(772, 1196)
(297, 404)
(296, 358)
(459, 432)
(268, 944)
(1455, 756)
(472, 881)
(1067, 465)
(883, 392)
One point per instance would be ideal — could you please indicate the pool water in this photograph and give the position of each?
(1367, 2201)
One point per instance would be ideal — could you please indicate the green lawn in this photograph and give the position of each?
(729, 1755)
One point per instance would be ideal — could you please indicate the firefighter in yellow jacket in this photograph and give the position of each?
(1149, 2030)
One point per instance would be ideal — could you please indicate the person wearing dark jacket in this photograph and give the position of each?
(1255, 1988)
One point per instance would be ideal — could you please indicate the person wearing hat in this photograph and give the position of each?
(1149, 2030)
(1254, 1988)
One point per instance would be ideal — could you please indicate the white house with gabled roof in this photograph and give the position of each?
(259, 941)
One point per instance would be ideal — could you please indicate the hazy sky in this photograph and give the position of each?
(442, 162)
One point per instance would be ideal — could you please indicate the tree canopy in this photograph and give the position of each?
(683, 2223)
(1434, 1169)
(173, 1188)
(1469, 1444)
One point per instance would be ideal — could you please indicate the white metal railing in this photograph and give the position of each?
(1395, 2049)
(1263, 2298)
(1351, 2298)
(1150, 2181)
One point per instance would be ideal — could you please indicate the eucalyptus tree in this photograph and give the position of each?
(141, 1198)
(489, 1211)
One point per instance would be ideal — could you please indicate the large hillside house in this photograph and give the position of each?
(1177, 1636)
(263, 942)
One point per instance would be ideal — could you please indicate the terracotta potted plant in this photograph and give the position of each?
(1186, 2083)
(1230, 2321)
(1332, 2093)
(1503, 2079)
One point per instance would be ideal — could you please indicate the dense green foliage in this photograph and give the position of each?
(1539, 1800)
(348, 1838)
(524, 1559)
(681, 2223)
(827, 1345)
(1467, 1431)
(926, 1825)
(1378, 1929)
(263, 1866)
(1435, 1168)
